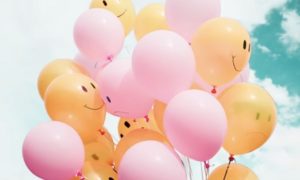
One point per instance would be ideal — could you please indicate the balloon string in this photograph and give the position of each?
(231, 158)
(207, 166)
(190, 168)
(202, 173)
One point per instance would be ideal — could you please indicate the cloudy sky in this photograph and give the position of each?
(34, 32)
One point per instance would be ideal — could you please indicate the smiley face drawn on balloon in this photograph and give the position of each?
(222, 48)
(127, 125)
(124, 10)
(74, 99)
(121, 93)
(251, 115)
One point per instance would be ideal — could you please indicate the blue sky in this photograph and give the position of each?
(34, 32)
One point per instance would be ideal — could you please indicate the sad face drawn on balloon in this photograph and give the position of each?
(251, 115)
(124, 10)
(75, 100)
(121, 93)
(222, 48)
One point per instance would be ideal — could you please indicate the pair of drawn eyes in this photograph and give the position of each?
(245, 45)
(258, 116)
(85, 89)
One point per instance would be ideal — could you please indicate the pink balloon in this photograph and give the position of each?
(163, 64)
(185, 17)
(93, 67)
(123, 96)
(195, 123)
(216, 91)
(53, 151)
(99, 34)
(149, 160)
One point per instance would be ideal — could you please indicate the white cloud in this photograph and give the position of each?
(250, 12)
(263, 48)
(291, 28)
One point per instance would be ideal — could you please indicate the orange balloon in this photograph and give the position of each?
(97, 152)
(75, 100)
(135, 137)
(55, 69)
(98, 171)
(159, 110)
(105, 137)
(222, 48)
(127, 125)
(251, 116)
(235, 172)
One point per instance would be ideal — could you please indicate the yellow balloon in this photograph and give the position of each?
(97, 171)
(251, 115)
(97, 152)
(55, 69)
(222, 48)
(75, 100)
(127, 125)
(159, 110)
(123, 9)
(235, 172)
(135, 137)
(151, 18)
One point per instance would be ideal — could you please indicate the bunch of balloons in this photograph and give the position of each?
(183, 92)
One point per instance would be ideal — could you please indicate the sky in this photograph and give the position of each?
(34, 32)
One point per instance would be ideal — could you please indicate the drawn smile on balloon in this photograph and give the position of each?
(235, 68)
(122, 13)
(94, 109)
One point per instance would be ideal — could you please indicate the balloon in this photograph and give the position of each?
(150, 160)
(251, 115)
(121, 93)
(216, 91)
(55, 69)
(53, 150)
(150, 18)
(97, 152)
(195, 124)
(222, 50)
(99, 34)
(235, 171)
(185, 17)
(92, 66)
(164, 64)
(126, 125)
(105, 137)
(97, 171)
(74, 99)
(124, 10)
(135, 137)
(159, 110)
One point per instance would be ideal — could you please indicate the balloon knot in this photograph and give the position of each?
(102, 132)
(147, 118)
(110, 57)
(214, 90)
(231, 158)
(207, 165)
(79, 174)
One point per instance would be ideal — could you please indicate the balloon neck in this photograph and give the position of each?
(147, 118)
(79, 174)
(207, 165)
(214, 90)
